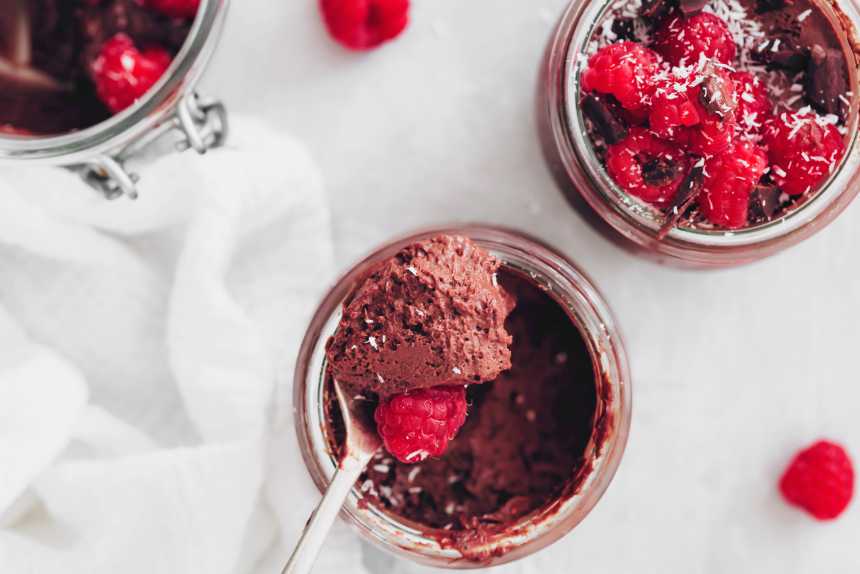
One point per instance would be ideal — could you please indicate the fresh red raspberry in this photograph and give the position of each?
(122, 74)
(646, 167)
(624, 70)
(754, 105)
(175, 8)
(364, 24)
(729, 179)
(418, 424)
(679, 114)
(820, 480)
(686, 39)
(803, 150)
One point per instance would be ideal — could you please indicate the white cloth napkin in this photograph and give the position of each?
(140, 347)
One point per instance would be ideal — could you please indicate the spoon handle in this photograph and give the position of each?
(321, 520)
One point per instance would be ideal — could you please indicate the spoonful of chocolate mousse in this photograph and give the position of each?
(419, 328)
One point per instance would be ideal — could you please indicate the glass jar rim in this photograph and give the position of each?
(117, 131)
(580, 21)
(558, 517)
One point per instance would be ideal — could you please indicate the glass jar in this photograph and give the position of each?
(171, 108)
(627, 222)
(575, 292)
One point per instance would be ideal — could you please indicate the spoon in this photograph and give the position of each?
(362, 441)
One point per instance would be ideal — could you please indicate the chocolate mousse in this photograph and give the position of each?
(433, 314)
(47, 48)
(523, 445)
(721, 114)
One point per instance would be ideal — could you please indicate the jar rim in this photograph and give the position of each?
(121, 129)
(579, 23)
(611, 369)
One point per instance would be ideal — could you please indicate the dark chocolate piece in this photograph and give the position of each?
(764, 203)
(788, 56)
(770, 5)
(624, 29)
(654, 10)
(717, 97)
(826, 81)
(603, 111)
(687, 193)
(690, 7)
(660, 171)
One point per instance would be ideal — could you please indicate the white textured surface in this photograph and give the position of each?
(733, 370)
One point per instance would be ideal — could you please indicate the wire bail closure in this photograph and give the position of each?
(201, 124)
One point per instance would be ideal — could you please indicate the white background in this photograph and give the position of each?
(733, 370)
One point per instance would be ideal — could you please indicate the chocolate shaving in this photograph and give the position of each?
(654, 10)
(770, 5)
(716, 96)
(764, 203)
(826, 80)
(687, 193)
(690, 7)
(603, 111)
(660, 171)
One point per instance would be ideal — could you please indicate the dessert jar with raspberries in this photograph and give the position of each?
(704, 133)
(86, 84)
(536, 406)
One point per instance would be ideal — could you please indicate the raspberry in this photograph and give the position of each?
(803, 149)
(729, 179)
(174, 8)
(364, 24)
(122, 74)
(754, 106)
(682, 39)
(418, 424)
(625, 70)
(820, 480)
(697, 111)
(646, 167)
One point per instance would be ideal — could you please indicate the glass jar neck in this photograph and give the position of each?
(120, 131)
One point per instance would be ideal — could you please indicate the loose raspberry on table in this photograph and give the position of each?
(624, 70)
(174, 8)
(819, 480)
(729, 179)
(696, 111)
(364, 24)
(803, 148)
(755, 107)
(647, 167)
(122, 73)
(683, 40)
(418, 424)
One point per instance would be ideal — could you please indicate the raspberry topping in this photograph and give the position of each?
(729, 179)
(364, 24)
(820, 480)
(418, 424)
(754, 105)
(684, 40)
(624, 70)
(122, 74)
(174, 8)
(803, 150)
(647, 167)
(697, 111)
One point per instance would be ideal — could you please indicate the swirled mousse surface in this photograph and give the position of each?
(432, 314)
(524, 442)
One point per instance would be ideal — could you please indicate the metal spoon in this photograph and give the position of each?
(362, 441)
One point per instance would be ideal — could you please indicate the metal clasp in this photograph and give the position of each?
(201, 124)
